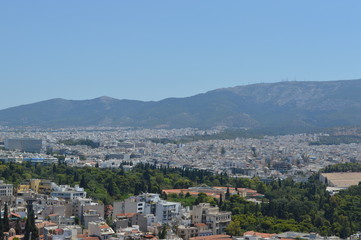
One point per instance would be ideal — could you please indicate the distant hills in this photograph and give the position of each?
(283, 106)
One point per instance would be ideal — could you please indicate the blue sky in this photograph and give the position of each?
(151, 50)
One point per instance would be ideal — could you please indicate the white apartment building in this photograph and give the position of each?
(6, 189)
(67, 192)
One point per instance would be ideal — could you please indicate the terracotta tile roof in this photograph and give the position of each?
(258, 234)
(16, 236)
(200, 225)
(45, 224)
(91, 238)
(211, 237)
(104, 226)
(15, 215)
(126, 215)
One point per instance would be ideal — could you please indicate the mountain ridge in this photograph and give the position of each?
(284, 105)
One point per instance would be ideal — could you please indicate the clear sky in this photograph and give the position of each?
(151, 50)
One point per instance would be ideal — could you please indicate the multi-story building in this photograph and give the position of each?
(85, 210)
(24, 144)
(6, 189)
(100, 229)
(6, 192)
(144, 204)
(187, 232)
(46, 186)
(166, 211)
(215, 220)
(67, 192)
(125, 220)
(148, 203)
(90, 216)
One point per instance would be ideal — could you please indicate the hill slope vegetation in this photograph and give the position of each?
(287, 106)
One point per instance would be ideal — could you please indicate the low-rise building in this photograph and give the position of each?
(187, 232)
(67, 192)
(100, 229)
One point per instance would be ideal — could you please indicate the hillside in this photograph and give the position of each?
(283, 106)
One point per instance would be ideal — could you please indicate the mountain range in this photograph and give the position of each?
(283, 106)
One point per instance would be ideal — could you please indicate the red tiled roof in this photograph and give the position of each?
(103, 226)
(126, 214)
(258, 234)
(45, 224)
(19, 236)
(91, 238)
(15, 215)
(200, 225)
(212, 237)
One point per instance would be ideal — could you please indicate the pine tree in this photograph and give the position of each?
(31, 233)
(163, 233)
(228, 194)
(220, 200)
(6, 226)
(1, 228)
(83, 183)
(17, 227)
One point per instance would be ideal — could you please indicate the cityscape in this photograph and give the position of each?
(180, 120)
(66, 211)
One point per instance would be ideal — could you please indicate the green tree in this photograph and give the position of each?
(163, 233)
(17, 227)
(31, 232)
(228, 194)
(6, 218)
(1, 228)
(234, 228)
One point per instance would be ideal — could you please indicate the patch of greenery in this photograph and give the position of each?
(163, 140)
(231, 133)
(343, 167)
(86, 142)
(337, 140)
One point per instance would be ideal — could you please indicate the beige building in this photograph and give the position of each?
(34, 184)
(100, 229)
(215, 220)
(41, 186)
(187, 232)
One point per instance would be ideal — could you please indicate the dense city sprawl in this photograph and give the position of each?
(119, 183)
